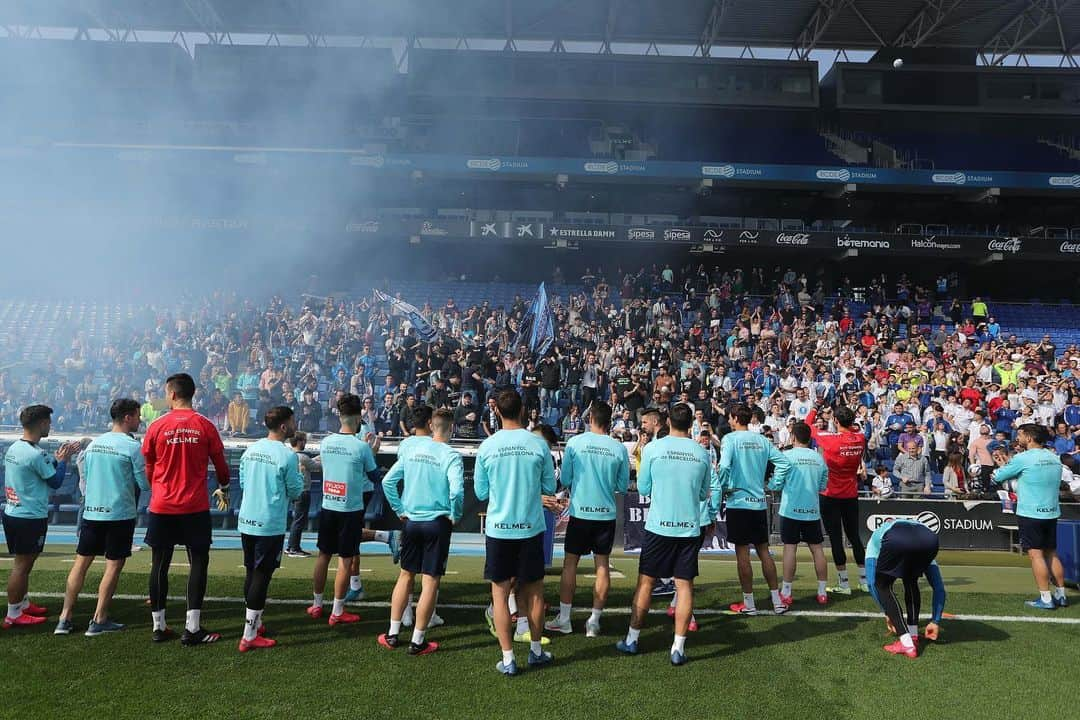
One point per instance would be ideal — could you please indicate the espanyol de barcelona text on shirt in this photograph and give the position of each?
(514, 468)
(595, 468)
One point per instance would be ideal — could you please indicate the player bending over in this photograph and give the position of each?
(905, 550)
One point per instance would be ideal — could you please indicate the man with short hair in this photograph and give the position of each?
(115, 473)
(179, 447)
(269, 478)
(1035, 476)
(348, 464)
(431, 502)
(595, 468)
(523, 469)
(843, 452)
(800, 513)
(913, 469)
(302, 505)
(676, 474)
(744, 459)
(29, 474)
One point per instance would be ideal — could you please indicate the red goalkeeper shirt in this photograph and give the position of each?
(179, 447)
(843, 453)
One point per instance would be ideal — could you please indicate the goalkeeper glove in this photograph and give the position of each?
(221, 497)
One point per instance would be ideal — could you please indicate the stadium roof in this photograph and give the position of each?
(997, 28)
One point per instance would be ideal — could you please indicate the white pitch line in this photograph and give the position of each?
(621, 611)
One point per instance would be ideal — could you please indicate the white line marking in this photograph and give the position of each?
(619, 611)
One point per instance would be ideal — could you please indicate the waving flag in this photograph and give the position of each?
(424, 330)
(538, 325)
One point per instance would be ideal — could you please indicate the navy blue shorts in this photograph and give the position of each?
(340, 533)
(1037, 533)
(663, 556)
(192, 530)
(425, 546)
(907, 551)
(793, 531)
(262, 552)
(111, 538)
(747, 527)
(522, 559)
(25, 536)
(589, 536)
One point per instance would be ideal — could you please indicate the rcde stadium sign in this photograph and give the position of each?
(977, 524)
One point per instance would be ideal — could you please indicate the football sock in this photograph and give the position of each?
(382, 536)
(522, 625)
(632, 636)
(1045, 596)
(821, 587)
(913, 630)
(775, 597)
(508, 657)
(418, 637)
(354, 583)
(536, 647)
(194, 618)
(594, 617)
(906, 641)
(395, 627)
(318, 600)
(748, 601)
(679, 645)
(14, 610)
(252, 621)
(564, 612)
(339, 606)
(158, 615)
(785, 590)
(1059, 591)
(844, 582)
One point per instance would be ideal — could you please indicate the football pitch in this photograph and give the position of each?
(997, 658)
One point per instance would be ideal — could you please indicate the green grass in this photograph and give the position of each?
(763, 667)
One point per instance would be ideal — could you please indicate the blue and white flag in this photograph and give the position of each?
(424, 330)
(539, 323)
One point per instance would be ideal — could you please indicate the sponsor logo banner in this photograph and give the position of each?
(1065, 181)
(583, 232)
(1005, 245)
(724, 171)
(932, 242)
(679, 234)
(793, 239)
(641, 234)
(972, 524)
(636, 512)
(840, 175)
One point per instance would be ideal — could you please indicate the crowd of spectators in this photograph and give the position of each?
(936, 383)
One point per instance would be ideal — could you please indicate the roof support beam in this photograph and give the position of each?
(926, 22)
(826, 12)
(209, 21)
(609, 26)
(877, 36)
(508, 24)
(1013, 36)
(712, 26)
